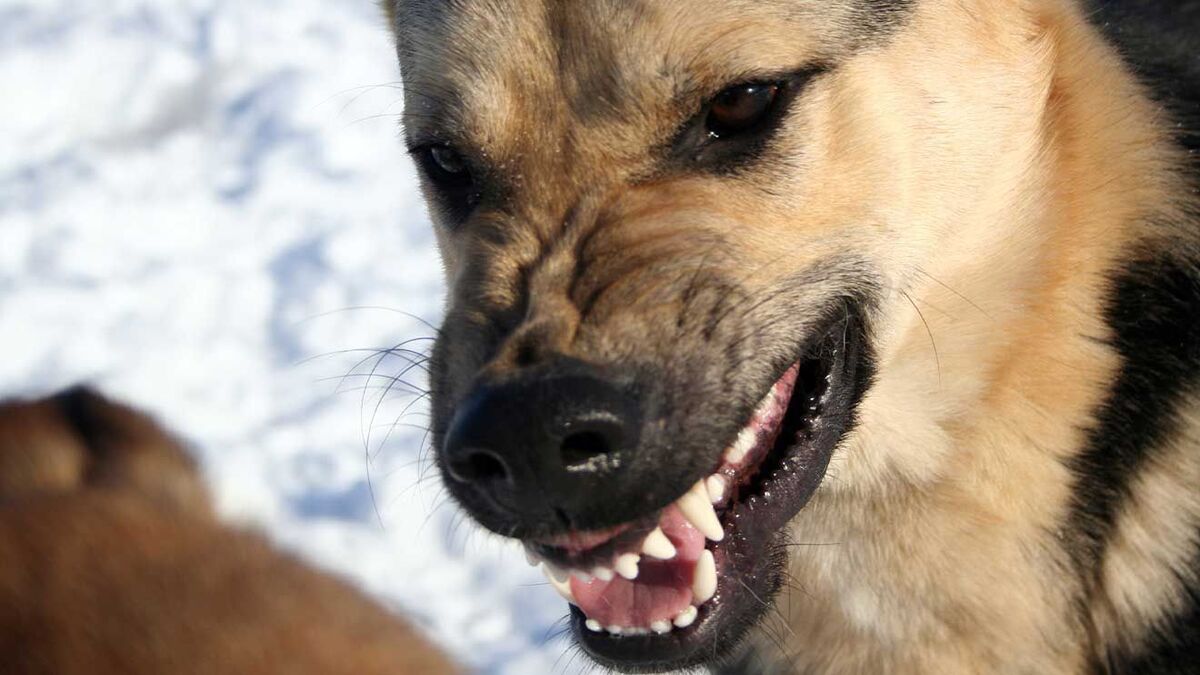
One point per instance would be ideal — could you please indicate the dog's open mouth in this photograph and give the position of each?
(654, 593)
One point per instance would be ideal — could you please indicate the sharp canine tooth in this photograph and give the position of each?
(716, 488)
(686, 618)
(766, 403)
(658, 546)
(661, 627)
(704, 582)
(627, 565)
(697, 508)
(593, 625)
(603, 574)
(741, 447)
(563, 587)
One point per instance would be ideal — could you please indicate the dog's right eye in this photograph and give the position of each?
(445, 166)
(452, 176)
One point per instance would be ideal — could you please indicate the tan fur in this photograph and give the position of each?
(964, 548)
(113, 563)
(1148, 562)
(961, 548)
(983, 131)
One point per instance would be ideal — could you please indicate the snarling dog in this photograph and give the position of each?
(860, 334)
(112, 562)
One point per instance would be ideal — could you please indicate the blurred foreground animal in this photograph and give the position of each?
(111, 562)
(825, 336)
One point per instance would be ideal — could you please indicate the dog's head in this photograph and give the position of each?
(669, 229)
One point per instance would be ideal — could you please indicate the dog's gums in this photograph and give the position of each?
(630, 596)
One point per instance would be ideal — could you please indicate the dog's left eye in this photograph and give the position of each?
(741, 108)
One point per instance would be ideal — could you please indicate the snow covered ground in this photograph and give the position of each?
(205, 210)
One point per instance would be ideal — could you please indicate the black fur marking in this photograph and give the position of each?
(1154, 312)
(1160, 40)
(1155, 315)
(79, 405)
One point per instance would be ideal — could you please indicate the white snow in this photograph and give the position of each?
(205, 209)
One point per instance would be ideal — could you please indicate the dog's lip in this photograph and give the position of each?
(577, 542)
(584, 550)
(657, 575)
(746, 572)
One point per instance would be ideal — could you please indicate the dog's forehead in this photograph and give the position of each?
(486, 68)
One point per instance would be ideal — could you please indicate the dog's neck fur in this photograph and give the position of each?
(951, 570)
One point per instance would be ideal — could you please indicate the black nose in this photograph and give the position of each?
(539, 446)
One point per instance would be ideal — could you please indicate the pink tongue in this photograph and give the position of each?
(662, 589)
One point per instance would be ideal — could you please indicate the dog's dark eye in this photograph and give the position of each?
(741, 108)
(446, 167)
(451, 174)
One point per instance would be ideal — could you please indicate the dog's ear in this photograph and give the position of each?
(81, 440)
(40, 451)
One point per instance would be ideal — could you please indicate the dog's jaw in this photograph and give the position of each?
(653, 594)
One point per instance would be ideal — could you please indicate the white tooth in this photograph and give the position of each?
(532, 558)
(627, 565)
(765, 405)
(658, 546)
(704, 582)
(615, 630)
(637, 631)
(661, 627)
(686, 618)
(603, 573)
(593, 625)
(557, 573)
(697, 508)
(741, 447)
(716, 488)
(582, 576)
(563, 587)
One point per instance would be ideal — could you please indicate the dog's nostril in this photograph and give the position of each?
(480, 466)
(586, 449)
(543, 444)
